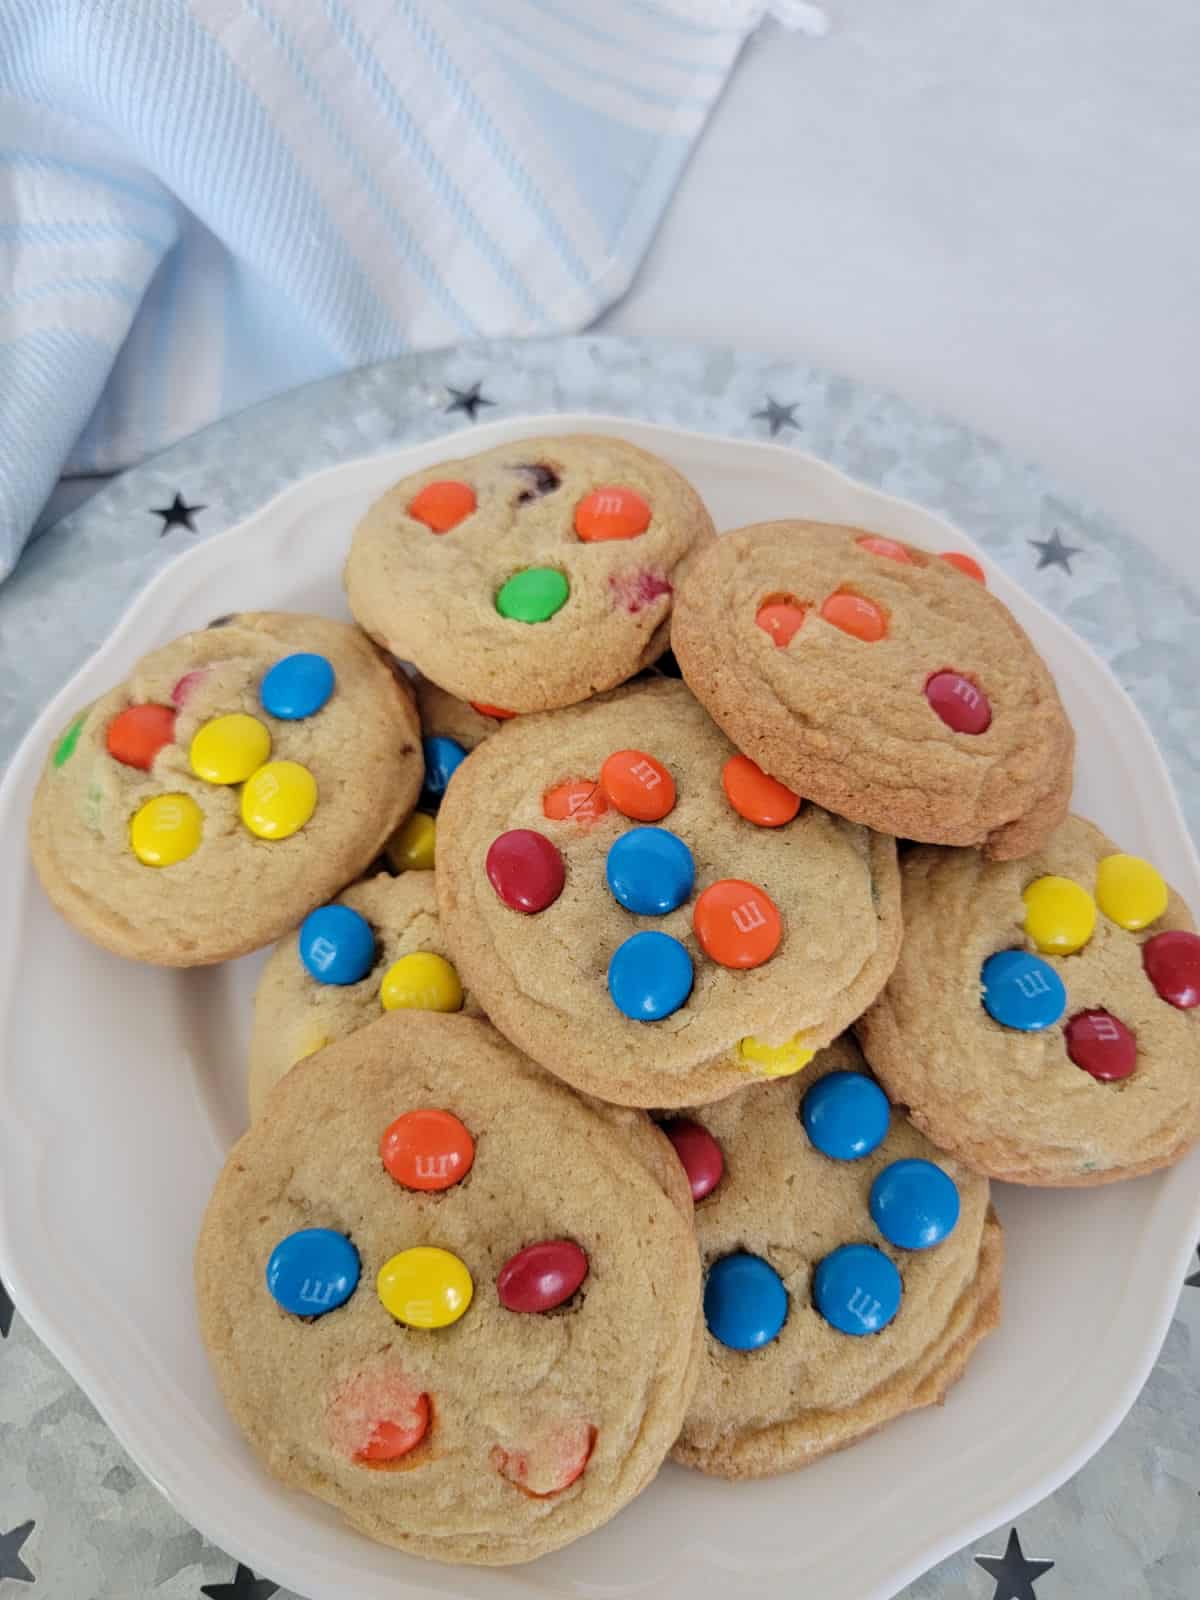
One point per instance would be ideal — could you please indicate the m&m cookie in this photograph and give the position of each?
(241, 776)
(646, 917)
(880, 680)
(849, 1269)
(376, 948)
(1043, 1021)
(530, 576)
(449, 1297)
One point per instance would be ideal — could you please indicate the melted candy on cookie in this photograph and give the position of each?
(854, 614)
(879, 546)
(579, 799)
(379, 1416)
(782, 616)
(551, 1462)
(637, 590)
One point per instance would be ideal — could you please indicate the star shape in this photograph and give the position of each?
(6, 1312)
(177, 515)
(11, 1565)
(1052, 552)
(1194, 1281)
(245, 1586)
(776, 416)
(468, 400)
(1014, 1572)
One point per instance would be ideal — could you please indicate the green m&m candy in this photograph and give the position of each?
(533, 595)
(66, 745)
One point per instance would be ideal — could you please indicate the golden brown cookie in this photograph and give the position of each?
(239, 777)
(1028, 1058)
(489, 1348)
(529, 576)
(880, 681)
(820, 1325)
(338, 973)
(740, 945)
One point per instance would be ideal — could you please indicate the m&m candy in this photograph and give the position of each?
(857, 1289)
(1172, 963)
(525, 869)
(187, 685)
(760, 799)
(965, 564)
(443, 757)
(611, 513)
(411, 847)
(650, 871)
(879, 546)
(781, 616)
(1021, 991)
(745, 1302)
(421, 981)
(136, 735)
(1101, 1044)
(533, 595)
(541, 1276)
(914, 1204)
(313, 1271)
(846, 1115)
(278, 799)
(228, 749)
(579, 800)
(442, 505)
(337, 945)
(379, 1416)
(737, 923)
(425, 1287)
(962, 706)
(1060, 916)
(637, 785)
(699, 1153)
(427, 1150)
(1130, 891)
(774, 1060)
(65, 748)
(166, 830)
(484, 710)
(649, 976)
(297, 686)
(550, 1462)
(854, 614)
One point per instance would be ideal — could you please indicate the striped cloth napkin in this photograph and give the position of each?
(204, 202)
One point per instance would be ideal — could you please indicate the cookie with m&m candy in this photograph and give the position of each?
(239, 777)
(450, 1297)
(838, 1245)
(880, 680)
(645, 917)
(1043, 1020)
(529, 576)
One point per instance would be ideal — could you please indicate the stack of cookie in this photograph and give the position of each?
(564, 1157)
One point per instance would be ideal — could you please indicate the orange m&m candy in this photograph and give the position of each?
(580, 798)
(442, 505)
(965, 563)
(491, 711)
(611, 513)
(137, 734)
(782, 616)
(427, 1150)
(860, 618)
(752, 794)
(378, 1416)
(638, 785)
(390, 1440)
(737, 924)
(550, 1462)
(879, 546)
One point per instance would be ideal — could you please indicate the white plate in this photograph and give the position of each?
(121, 1088)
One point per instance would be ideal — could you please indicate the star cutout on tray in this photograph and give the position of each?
(245, 1586)
(6, 1312)
(1014, 1572)
(1194, 1281)
(177, 515)
(776, 416)
(468, 400)
(11, 1565)
(1052, 552)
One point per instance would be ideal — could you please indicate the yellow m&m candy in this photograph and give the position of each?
(166, 830)
(424, 1287)
(410, 849)
(278, 799)
(774, 1060)
(1130, 891)
(228, 749)
(1059, 915)
(421, 982)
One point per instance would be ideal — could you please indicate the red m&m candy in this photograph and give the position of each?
(541, 1276)
(1101, 1045)
(525, 870)
(1172, 963)
(699, 1153)
(136, 735)
(961, 706)
(427, 1150)
(737, 923)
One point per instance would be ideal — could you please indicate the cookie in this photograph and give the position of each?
(879, 680)
(644, 913)
(448, 1296)
(850, 1270)
(378, 947)
(241, 776)
(530, 576)
(1042, 1021)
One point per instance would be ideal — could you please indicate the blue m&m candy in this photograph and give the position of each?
(297, 686)
(337, 945)
(745, 1302)
(857, 1289)
(914, 1204)
(846, 1115)
(1022, 991)
(649, 976)
(650, 871)
(313, 1271)
(443, 757)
